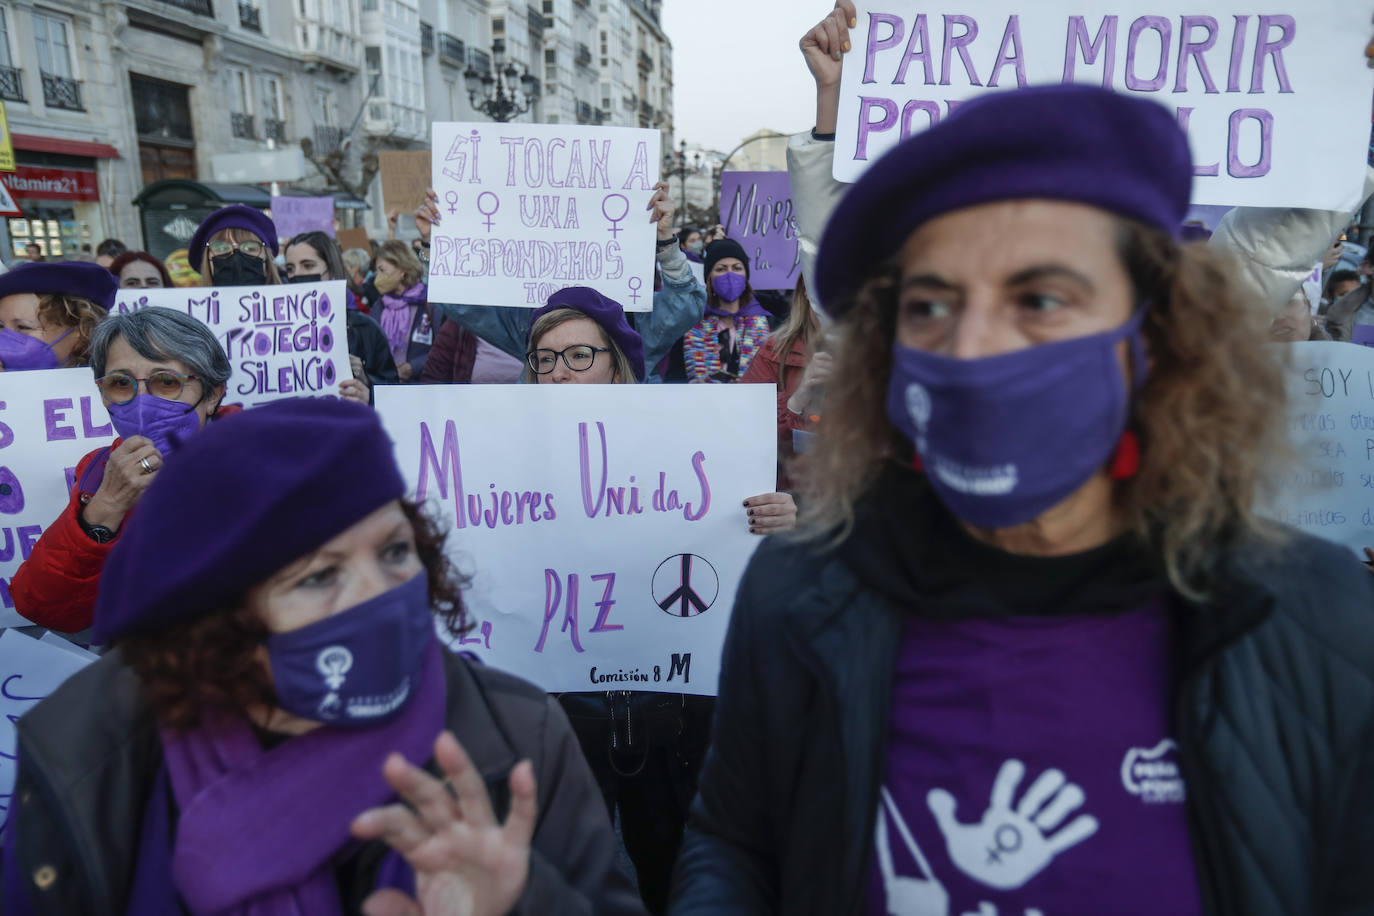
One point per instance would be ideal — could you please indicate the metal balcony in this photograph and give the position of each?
(250, 17)
(480, 60)
(584, 113)
(61, 92)
(426, 39)
(535, 19)
(452, 51)
(12, 84)
(646, 62)
(199, 7)
(328, 139)
(584, 56)
(242, 125)
(274, 129)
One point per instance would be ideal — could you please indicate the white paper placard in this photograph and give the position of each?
(1252, 86)
(1330, 491)
(29, 670)
(529, 209)
(581, 511)
(283, 341)
(49, 420)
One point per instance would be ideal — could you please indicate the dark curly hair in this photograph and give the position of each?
(213, 660)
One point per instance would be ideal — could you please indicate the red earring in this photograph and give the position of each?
(916, 464)
(1126, 461)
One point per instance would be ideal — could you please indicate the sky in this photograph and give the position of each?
(736, 68)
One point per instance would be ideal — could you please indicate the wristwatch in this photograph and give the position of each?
(98, 533)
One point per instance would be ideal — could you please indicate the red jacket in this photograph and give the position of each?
(57, 585)
(786, 375)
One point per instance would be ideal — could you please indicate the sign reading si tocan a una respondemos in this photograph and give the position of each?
(283, 341)
(602, 525)
(1251, 86)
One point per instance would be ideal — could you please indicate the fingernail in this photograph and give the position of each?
(836, 55)
(751, 513)
(746, 502)
(845, 47)
(853, 23)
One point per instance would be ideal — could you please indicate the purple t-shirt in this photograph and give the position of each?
(1031, 771)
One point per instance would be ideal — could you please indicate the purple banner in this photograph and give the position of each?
(294, 215)
(756, 210)
(1363, 334)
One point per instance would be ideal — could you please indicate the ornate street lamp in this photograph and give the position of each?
(677, 164)
(506, 91)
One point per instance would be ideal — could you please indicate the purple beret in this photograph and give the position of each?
(1075, 143)
(83, 279)
(724, 248)
(234, 216)
(243, 498)
(606, 312)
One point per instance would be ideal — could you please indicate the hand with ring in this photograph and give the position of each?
(131, 468)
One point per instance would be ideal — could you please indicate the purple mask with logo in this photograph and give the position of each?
(357, 668)
(21, 352)
(729, 286)
(1004, 438)
(166, 423)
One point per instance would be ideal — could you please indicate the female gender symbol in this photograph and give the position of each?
(495, 205)
(615, 220)
(452, 198)
(635, 284)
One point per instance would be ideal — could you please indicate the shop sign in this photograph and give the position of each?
(35, 183)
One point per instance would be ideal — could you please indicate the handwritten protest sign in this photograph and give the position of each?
(602, 524)
(354, 238)
(1251, 86)
(1330, 491)
(283, 341)
(756, 210)
(294, 215)
(405, 178)
(30, 669)
(529, 209)
(48, 421)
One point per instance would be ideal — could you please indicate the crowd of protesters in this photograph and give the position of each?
(1013, 560)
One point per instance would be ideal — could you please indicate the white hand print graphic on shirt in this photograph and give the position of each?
(907, 896)
(1010, 846)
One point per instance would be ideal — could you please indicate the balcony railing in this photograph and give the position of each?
(250, 17)
(61, 92)
(328, 139)
(274, 129)
(646, 111)
(242, 125)
(646, 62)
(583, 3)
(535, 19)
(452, 51)
(11, 84)
(584, 112)
(584, 56)
(426, 39)
(199, 7)
(480, 60)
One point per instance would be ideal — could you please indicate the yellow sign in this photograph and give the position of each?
(6, 147)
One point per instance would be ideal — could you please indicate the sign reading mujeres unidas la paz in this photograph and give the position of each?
(756, 211)
(283, 341)
(1251, 86)
(529, 209)
(48, 421)
(602, 525)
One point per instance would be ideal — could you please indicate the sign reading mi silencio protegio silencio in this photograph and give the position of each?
(1272, 99)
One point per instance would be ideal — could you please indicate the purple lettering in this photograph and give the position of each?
(604, 605)
(698, 462)
(876, 44)
(932, 110)
(959, 44)
(1157, 24)
(1184, 116)
(88, 427)
(1237, 53)
(919, 32)
(449, 468)
(513, 146)
(592, 509)
(54, 411)
(1234, 167)
(1010, 53)
(867, 125)
(559, 143)
(1266, 48)
(570, 612)
(28, 536)
(1188, 49)
(553, 591)
(1103, 44)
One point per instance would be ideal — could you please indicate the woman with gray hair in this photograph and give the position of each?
(161, 375)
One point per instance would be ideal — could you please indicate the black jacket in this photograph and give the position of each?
(1274, 714)
(367, 341)
(88, 755)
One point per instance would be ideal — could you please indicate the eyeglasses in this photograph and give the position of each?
(578, 358)
(253, 248)
(120, 387)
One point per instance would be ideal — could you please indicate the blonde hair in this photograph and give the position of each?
(400, 254)
(1209, 415)
(238, 235)
(802, 324)
(72, 312)
(622, 371)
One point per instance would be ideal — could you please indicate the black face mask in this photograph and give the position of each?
(238, 269)
(305, 278)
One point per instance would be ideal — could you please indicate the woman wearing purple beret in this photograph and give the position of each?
(230, 248)
(279, 729)
(1033, 651)
(48, 311)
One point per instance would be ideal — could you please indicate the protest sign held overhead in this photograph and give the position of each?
(282, 341)
(405, 177)
(294, 215)
(604, 534)
(756, 211)
(528, 209)
(48, 421)
(1251, 86)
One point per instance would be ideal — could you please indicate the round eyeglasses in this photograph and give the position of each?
(252, 247)
(578, 358)
(120, 387)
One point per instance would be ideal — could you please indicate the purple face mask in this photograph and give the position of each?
(1004, 438)
(729, 286)
(167, 423)
(357, 668)
(21, 352)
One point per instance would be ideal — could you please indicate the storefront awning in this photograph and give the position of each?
(38, 144)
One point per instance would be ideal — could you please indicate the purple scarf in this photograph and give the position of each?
(259, 830)
(751, 307)
(398, 313)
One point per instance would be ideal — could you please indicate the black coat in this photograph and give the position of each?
(1274, 718)
(88, 755)
(367, 341)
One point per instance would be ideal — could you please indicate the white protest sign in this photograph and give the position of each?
(49, 420)
(529, 209)
(603, 525)
(1330, 491)
(29, 670)
(283, 341)
(1251, 86)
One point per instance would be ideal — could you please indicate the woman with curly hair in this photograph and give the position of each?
(49, 310)
(255, 742)
(1033, 650)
